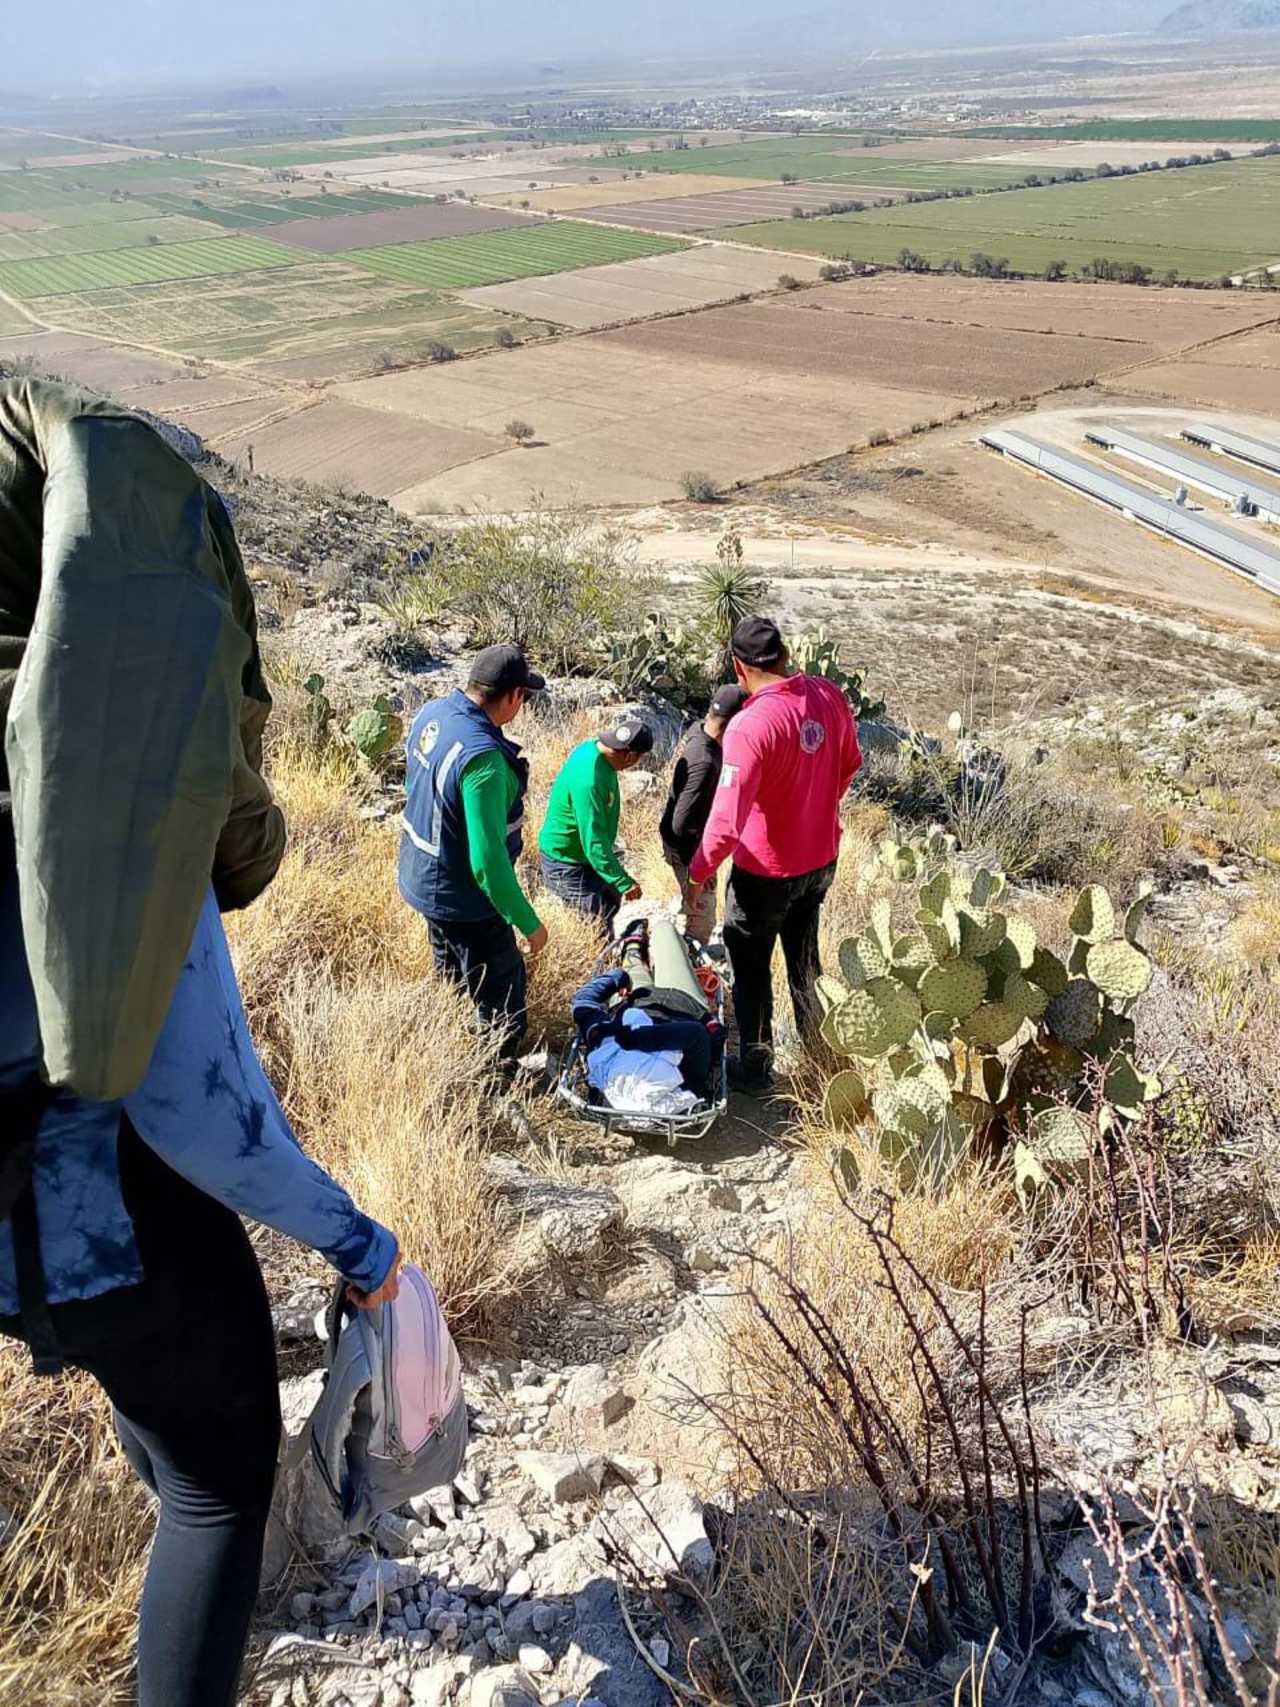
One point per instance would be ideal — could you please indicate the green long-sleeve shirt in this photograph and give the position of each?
(489, 788)
(581, 825)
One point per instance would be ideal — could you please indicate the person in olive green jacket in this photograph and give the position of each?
(118, 565)
(576, 846)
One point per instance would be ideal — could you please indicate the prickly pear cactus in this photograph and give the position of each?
(962, 1025)
(819, 655)
(375, 730)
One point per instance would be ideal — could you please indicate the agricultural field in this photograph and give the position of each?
(1200, 223)
(280, 208)
(91, 239)
(318, 153)
(822, 159)
(453, 262)
(617, 425)
(787, 335)
(1164, 320)
(425, 219)
(367, 450)
(57, 275)
(604, 189)
(91, 361)
(630, 290)
(744, 205)
(1143, 130)
(12, 319)
(315, 320)
(1242, 373)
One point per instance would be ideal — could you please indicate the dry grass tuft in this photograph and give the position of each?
(71, 1566)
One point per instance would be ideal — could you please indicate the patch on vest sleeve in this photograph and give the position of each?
(728, 776)
(812, 735)
(428, 738)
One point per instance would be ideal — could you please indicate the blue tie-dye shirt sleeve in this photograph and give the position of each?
(207, 1108)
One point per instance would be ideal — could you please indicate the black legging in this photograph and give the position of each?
(188, 1360)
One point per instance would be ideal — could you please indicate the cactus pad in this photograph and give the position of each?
(1023, 997)
(935, 934)
(1120, 970)
(1073, 1016)
(912, 956)
(1060, 1139)
(991, 1025)
(1049, 972)
(846, 1100)
(830, 992)
(937, 890)
(880, 920)
(861, 961)
(986, 888)
(1093, 917)
(1127, 1090)
(955, 988)
(981, 933)
(877, 1018)
(1023, 938)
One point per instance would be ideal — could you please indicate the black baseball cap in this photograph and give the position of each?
(728, 701)
(504, 668)
(628, 735)
(757, 641)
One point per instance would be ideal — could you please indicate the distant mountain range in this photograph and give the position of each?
(1212, 17)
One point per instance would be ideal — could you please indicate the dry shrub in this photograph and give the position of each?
(389, 1092)
(71, 1566)
(376, 1061)
(1257, 930)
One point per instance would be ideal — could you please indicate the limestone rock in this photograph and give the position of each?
(562, 1476)
(664, 1532)
(503, 1686)
(568, 1566)
(571, 1220)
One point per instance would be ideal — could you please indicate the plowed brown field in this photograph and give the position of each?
(741, 206)
(1167, 319)
(610, 187)
(365, 449)
(630, 290)
(398, 225)
(787, 336)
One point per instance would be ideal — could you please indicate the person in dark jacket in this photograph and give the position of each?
(462, 832)
(693, 787)
(137, 1125)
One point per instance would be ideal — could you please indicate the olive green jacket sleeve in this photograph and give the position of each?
(133, 737)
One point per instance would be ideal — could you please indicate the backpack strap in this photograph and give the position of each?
(336, 1312)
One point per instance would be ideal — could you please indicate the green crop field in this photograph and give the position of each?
(235, 215)
(89, 239)
(518, 253)
(818, 159)
(1142, 130)
(1200, 222)
(57, 274)
(286, 314)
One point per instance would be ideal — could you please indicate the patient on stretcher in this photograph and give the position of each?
(652, 1044)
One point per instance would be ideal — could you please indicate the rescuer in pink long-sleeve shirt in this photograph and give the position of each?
(789, 757)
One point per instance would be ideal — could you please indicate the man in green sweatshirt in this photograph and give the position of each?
(462, 832)
(577, 843)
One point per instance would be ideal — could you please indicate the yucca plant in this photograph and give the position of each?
(727, 591)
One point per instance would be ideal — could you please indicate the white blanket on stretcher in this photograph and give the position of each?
(636, 1081)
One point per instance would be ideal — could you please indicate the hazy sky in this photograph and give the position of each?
(63, 44)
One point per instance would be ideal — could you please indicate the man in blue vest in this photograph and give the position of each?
(461, 834)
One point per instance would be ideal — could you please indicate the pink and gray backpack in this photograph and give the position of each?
(391, 1421)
